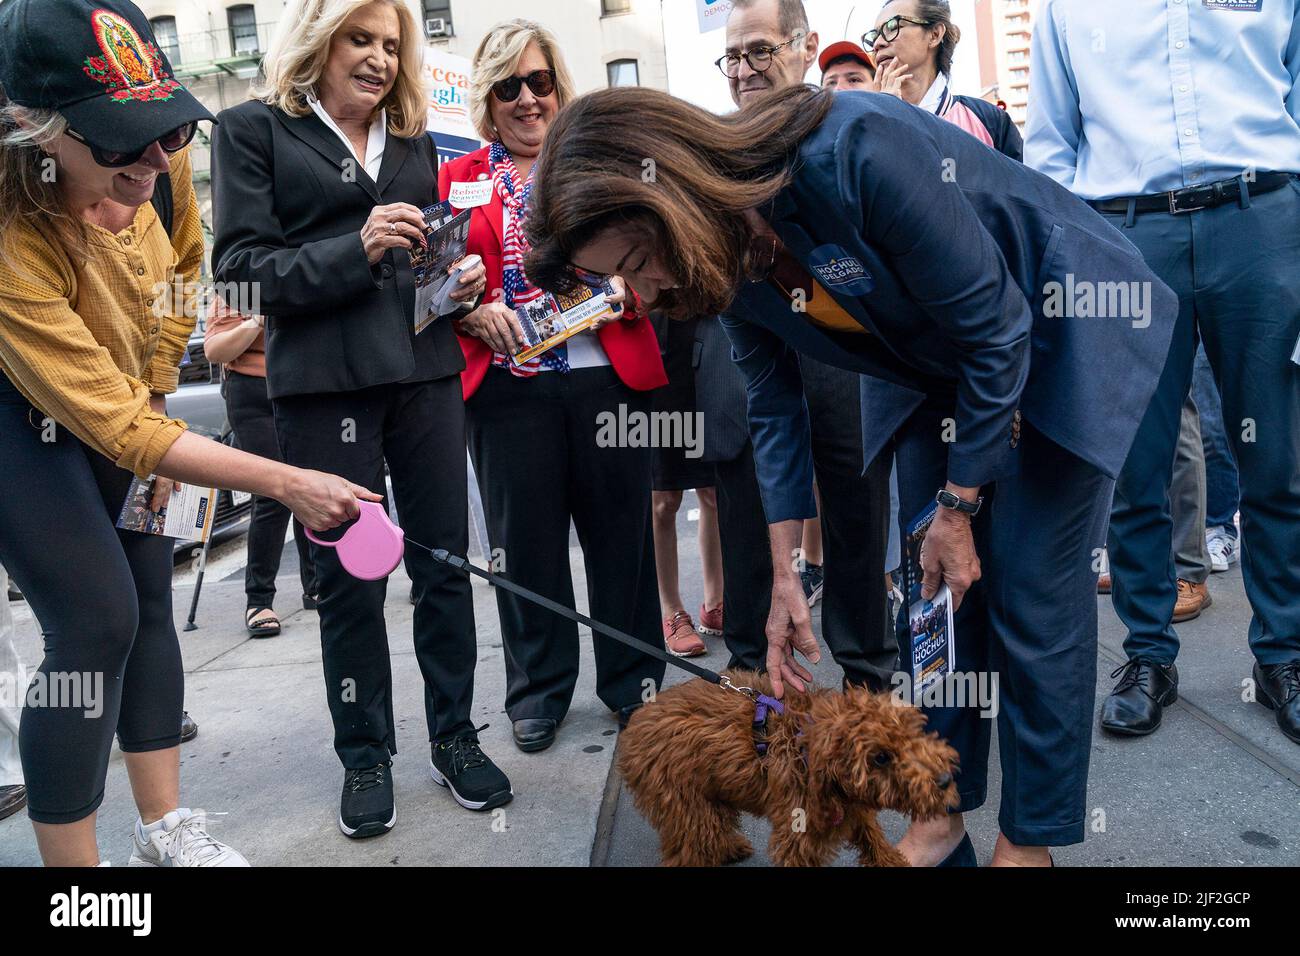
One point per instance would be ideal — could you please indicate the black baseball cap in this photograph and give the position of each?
(97, 63)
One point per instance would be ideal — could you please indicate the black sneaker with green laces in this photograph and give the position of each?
(460, 765)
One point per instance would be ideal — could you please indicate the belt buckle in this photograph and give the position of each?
(1173, 205)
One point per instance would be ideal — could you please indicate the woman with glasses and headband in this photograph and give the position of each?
(91, 119)
(534, 427)
(319, 183)
(913, 43)
(828, 221)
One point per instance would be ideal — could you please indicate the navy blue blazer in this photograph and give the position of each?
(946, 252)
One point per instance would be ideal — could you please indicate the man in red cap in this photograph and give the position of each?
(846, 66)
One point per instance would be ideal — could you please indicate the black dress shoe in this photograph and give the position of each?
(963, 854)
(534, 733)
(189, 729)
(12, 799)
(1136, 705)
(1278, 688)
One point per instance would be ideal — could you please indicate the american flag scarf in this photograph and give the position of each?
(518, 291)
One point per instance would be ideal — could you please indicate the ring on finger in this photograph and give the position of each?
(392, 228)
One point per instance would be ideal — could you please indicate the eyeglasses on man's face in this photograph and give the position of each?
(759, 58)
(889, 30)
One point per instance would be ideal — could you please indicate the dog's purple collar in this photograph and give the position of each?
(761, 707)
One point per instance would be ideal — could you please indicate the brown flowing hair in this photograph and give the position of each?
(681, 176)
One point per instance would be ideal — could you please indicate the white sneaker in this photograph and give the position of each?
(1222, 548)
(182, 840)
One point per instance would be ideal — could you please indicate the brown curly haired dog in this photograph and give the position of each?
(833, 760)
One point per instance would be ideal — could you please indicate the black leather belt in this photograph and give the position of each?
(1194, 198)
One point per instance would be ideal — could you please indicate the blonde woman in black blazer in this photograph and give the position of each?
(318, 185)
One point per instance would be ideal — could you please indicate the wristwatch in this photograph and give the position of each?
(946, 499)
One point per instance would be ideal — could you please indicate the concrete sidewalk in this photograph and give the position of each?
(263, 755)
(1217, 785)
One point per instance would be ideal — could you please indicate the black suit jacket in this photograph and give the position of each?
(719, 393)
(288, 203)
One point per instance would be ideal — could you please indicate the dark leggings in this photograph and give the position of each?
(249, 411)
(103, 600)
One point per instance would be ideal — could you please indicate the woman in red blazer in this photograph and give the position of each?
(557, 440)
(630, 344)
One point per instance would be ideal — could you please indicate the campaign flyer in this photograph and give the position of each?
(554, 318)
(446, 239)
(188, 514)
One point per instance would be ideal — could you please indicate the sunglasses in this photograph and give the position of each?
(541, 82)
(172, 142)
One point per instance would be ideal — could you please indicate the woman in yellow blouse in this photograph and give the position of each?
(90, 342)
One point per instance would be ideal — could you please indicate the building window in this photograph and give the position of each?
(623, 73)
(243, 29)
(608, 7)
(164, 31)
(438, 10)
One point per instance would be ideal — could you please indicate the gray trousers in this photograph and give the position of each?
(1187, 499)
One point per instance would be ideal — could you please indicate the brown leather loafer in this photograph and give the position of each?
(1192, 600)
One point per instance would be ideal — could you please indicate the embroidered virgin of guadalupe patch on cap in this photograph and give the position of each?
(131, 68)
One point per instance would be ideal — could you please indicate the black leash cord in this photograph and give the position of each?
(456, 561)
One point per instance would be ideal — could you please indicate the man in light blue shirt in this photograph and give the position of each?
(1180, 121)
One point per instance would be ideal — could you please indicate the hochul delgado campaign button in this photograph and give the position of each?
(840, 272)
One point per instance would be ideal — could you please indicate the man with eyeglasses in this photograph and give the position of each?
(1180, 123)
(770, 47)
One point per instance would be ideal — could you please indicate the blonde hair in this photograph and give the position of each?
(301, 47)
(28, 194)
(497, 58)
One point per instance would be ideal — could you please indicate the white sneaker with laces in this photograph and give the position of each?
(1222, 548)
(182, 840)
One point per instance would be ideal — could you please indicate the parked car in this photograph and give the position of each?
(199, 403)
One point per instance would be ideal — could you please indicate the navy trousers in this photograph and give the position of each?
(1236, 270)
(1031, 620)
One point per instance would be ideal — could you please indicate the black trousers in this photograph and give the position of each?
(854, 517)
(252, 421)
(541, 461)
(746, 562)
(419, 430)
(855, 528)
(103, 598)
